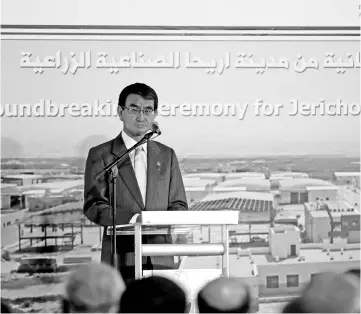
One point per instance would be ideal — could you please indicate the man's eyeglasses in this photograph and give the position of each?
(136, 111)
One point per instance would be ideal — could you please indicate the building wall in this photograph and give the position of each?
(302, 269)
(280, 243)
(352, 225)
(217, 178)
(347, 180)
(40, 203)
(320, 228)
(322, 194)
(285, 197)
(195, 196)
(13, 181)
(275, 183)
(21, 182)
(308, 223)
(317, 228)
(253, 216)
(5, 201)
(9, 219)
(354, 236)
(312, 196)
(357, 182)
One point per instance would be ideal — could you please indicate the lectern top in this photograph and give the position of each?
(216, 217)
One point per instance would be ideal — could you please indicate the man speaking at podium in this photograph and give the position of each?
(149, 179)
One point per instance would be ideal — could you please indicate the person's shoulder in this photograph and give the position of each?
(163, 147)
(101, 148)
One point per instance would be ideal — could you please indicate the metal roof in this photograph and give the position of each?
(235, 203)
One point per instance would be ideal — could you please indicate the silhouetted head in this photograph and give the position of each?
(331, 293)
(353, 271)
(93, 288)
(153, 295)
(5, 308)
(224, 295)
(294, 306)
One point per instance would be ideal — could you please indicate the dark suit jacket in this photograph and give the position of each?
(165, 191)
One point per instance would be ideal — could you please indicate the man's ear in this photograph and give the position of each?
(120, 113)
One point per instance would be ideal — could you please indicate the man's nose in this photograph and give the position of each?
(140, 115)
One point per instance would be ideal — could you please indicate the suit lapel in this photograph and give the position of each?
(153, 171)
(126, 170)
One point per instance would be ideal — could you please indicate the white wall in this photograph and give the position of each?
(320, 228)
(303, 269)
(195, 195)
(285, 197)
(354, 236)
(5, 201)
(280, 243)
(138, 19)
(322, 194)
(186, 12)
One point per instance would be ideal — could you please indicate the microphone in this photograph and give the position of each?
(155, 128)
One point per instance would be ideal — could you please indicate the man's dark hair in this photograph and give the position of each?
(140, 89)
(205, 307)
(153, 295)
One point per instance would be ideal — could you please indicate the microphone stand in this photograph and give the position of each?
(112, 170)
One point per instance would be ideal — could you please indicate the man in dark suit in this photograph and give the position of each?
(149, 179)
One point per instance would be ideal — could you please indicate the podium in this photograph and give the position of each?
(178, 222)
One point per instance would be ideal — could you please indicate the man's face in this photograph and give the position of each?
(137, 124)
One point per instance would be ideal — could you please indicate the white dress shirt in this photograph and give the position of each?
(139, 163)
(129, 142)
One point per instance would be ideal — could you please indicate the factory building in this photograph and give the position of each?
(250, 184)
(299, 191)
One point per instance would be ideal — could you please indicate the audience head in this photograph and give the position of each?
(328, 293)
(294, 306)
(153, 295)
(353, 271)
(224, 295)
(95, 287)
(5, 308)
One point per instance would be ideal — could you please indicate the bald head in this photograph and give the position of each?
(332, 293)
(95, 287)
(224, 295)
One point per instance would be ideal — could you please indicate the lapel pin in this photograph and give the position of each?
(158, 165)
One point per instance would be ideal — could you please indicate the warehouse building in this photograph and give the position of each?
(299, 191)
(251, 184)
(214, 176)
(276, 177)
(348, 178)
(196, 188)
(22, 179)
(243, 175)
(252, 206)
